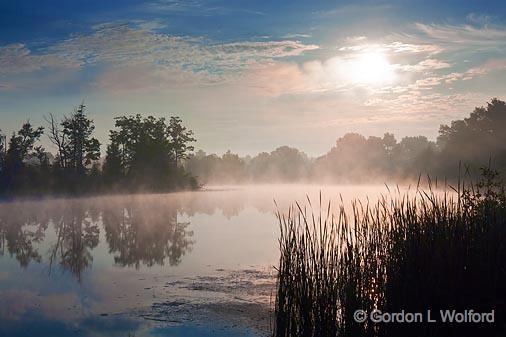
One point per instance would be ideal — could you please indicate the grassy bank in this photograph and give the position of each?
(410, 252)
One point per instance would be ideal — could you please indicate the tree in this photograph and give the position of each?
(180, 137)
(232, 168)
(389, 142)
(81, 148)
(59, 139)
(147, 151)
(141, 146)
(3, 149)
(475, 139)
(21, 145)
(284, 164)
(113, 166)
(203, 166)
(73, 138)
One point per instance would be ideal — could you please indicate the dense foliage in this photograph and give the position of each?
(145, 153)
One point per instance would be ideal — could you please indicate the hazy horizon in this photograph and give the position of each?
(245, 78)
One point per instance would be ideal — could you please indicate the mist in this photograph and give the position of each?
(471, 143)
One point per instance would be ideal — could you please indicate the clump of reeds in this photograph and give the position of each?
(419, 251)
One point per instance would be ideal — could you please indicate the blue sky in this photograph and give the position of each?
(253, 75)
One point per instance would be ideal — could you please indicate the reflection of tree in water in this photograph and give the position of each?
(23, 227)
(77, 234)
(21, 230)
(139, 230)
(146, 233)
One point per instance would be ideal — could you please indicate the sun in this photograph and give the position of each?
(370, 68)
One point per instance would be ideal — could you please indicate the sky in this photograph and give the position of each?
(249, 76)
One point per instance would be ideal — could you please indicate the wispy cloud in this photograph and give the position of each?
(192, 7)
(416, 105)
(463, 36)
(16, 58)
(120, 45)
(425, 65)
(394, 47)
(351, 9)
(296, 36)
(480, 18)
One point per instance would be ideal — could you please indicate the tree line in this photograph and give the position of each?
(145, 153)
(155, 154)
(470, 143)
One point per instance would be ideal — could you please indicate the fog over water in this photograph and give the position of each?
(155, 261)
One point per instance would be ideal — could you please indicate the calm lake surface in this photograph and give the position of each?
(177, 264)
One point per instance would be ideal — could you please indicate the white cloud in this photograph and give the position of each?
(16, 58)
(355, 39)
(481, 70)
(296, 36)
(121, 45)
(477, 18)
(146, 78)
(489, 66)
(425, 65)
(464, 36)
(393, 47)
(417, 105)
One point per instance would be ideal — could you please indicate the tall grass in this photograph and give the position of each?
(408, 251)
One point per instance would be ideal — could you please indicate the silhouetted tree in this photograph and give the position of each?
(283, 164)
(3, 150)
(113, 166)
(356, 158)
(414, 155)
(77, 152)
(21, 149)
(22, 143)
(475, 139)
(232, 166)
(180, 138)
(147, 149)
(59, 139)
(81, 148)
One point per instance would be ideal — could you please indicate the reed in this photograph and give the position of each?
(414, 251)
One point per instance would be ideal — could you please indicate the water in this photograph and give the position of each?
(178, 264)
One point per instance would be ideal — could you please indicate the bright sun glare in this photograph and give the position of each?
(371, 68)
